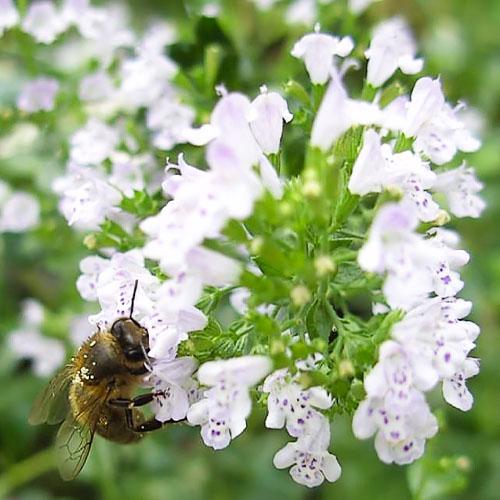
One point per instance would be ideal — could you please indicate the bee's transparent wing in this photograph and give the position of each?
(52, 404)
(73, 442)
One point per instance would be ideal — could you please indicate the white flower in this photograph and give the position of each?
(33, 313)
(401, 429)
(27, 342)
(415, 266)
(38, 95)
(172, 382)
(90, 268)
(269, 178)
(73, 10)
(460, 186)
(289, 404)
(455, 391)
(369, 171)
(105, 28)
(310, 460)
(9, 16)
(438, 129)
(223, 411)
(264, 4)
(377, 167)
(434, 330)
(230, 120)
(80, 329)
(269, 109)
(93, 143)
(128, 173)
(43, 22)
(86, 197)
(337, 113)
(203, 202)
(358, 6)
(427, 100)
(393, 225)
(301, 12)
(394, 247)
(115, 285)
(156, 37)
(397, 373)
(239, 301)
(174, 316)
(145, 78)
(444, 261)
(317, 50)
(46, 354)
(211, 267)
(96, 86)
(170, 120)
(233, 149)
(392, 47)
(19, 212)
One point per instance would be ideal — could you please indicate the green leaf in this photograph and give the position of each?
(390, 93)
(431, 478)
(348, 145)
(319, 319)
(297, 91)
(142, 204)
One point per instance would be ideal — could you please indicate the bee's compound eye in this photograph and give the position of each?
(118, 329)
(134, 354)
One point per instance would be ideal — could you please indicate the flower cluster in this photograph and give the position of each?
(306, 11)
(431, 344)
(239, 133)
(296, 408)
(27, 341)
(19, 211)
(245, 266)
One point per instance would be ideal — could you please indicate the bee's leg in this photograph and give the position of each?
(147, 426)
(129, 404)
(140, 400)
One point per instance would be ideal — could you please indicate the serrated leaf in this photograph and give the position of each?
(319, 319)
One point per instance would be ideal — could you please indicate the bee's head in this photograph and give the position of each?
(132, 337)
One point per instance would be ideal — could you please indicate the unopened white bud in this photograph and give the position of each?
(300, 295)
(311, 189)
(324, 265)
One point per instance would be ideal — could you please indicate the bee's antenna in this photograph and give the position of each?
(133, 298)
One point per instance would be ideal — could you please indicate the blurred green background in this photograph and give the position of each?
(460, 40)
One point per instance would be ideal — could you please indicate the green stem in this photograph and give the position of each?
(27, 470)
(318, 91)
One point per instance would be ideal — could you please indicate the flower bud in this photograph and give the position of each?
(324, 265)
(443, 218)
(346, 368)
(463, 463)
(311, 189)
(90, 241)
(300, 295)
(256, 245)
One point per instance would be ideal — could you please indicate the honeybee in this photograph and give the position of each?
(93, 393)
